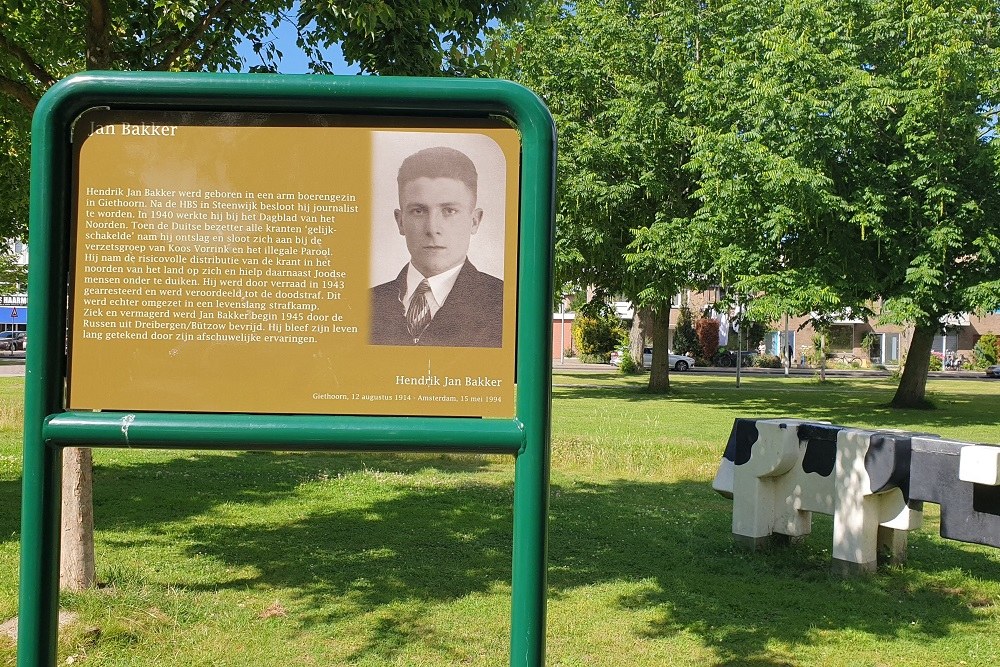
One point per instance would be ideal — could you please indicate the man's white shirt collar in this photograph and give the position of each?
(441, 286)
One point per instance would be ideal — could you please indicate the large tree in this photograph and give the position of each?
(42, 41)
(855, 138)
(611, 72)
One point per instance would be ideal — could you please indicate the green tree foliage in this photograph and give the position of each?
(15, 153)
(868, 344)
(612, 73)
(987, 351)
(685, 338)
(597, 336)
(408, 38)
(753, 333)
(627, 364)
(855, 139)
(42, 41)
(934, 363)
(13, 276)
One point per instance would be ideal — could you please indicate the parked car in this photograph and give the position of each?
(679, 362)
(993, 371)
(12, 340)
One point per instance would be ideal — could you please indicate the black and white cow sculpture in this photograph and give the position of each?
(874, 483)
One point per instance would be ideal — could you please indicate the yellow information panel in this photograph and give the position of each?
(267, 263)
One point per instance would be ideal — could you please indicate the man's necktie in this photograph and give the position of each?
(418, 315)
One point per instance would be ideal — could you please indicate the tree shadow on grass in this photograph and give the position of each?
(740, 602)
(10, 509)
(836, 404)
(149, 493)
(425, 544)
(139, 495)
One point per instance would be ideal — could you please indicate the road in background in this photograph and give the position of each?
(572, 365)
(13, 364)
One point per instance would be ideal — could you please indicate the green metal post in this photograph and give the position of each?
(44, 371)
(38, 605)
(531, 470)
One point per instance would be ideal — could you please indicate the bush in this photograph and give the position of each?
(627, 363)
(868, 343)
(591, 358)
(767, 361)
(597, 336)
(897, 372)
(708, 337)
(813, 357)
(569, 353)
(845, 363)
(986, 351)
(936, 363)
(815, 354)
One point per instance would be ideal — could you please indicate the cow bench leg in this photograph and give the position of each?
(891, 546)
(756, 489)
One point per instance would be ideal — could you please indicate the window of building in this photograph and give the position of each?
(840, 338)
(945, 344)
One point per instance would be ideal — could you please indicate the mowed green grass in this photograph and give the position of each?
(326, 559)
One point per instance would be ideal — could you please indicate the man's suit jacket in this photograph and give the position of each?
(471, 316)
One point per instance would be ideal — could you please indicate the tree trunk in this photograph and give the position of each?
(637, 335)
(913, 384)
(98, 39)
(659, 374)
(76, 558)
(76, 562)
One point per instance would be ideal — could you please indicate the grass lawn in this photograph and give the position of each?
(328, 559)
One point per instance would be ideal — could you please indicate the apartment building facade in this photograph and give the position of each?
(854, 338)
(848, 338)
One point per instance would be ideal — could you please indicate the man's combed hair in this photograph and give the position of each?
(439, 162)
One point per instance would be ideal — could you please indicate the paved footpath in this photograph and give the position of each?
(12, 365)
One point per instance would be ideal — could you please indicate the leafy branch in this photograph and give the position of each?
(189, 40)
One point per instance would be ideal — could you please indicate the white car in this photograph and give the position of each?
(679, 362)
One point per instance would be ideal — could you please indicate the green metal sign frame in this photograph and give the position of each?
(49, 427)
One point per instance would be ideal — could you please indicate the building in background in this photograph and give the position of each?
(14, 299)
(849, 338)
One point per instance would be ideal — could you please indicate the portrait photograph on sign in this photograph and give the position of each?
(294, 264)
(437, 240)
